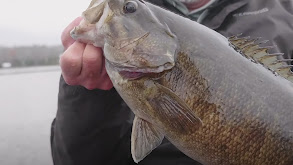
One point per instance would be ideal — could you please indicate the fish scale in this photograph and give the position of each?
(252, 130)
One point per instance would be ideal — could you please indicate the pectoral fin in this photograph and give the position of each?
(172, 110)
(145, 138)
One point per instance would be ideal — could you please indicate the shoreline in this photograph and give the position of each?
(34, 69)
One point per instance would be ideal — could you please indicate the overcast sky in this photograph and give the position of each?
(37, 22)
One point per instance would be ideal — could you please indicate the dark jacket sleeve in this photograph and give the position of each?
(91, 127)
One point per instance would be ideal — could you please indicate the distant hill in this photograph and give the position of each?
(36, 55)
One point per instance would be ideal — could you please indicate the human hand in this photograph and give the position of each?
(83, 64)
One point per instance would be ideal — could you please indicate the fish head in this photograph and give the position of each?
(132, 37)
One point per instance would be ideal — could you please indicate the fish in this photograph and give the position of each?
(220, 101)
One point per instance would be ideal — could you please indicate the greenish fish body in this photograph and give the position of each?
(187, 83)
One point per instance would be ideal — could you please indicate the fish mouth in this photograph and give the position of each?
(132, 75)
(133, 72)
(136, 73)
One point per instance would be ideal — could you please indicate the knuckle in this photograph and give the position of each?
(91, 59)
(68, 60)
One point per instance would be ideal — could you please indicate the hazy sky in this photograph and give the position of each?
(39, 22)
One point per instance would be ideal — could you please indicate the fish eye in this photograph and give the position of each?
(130, 7)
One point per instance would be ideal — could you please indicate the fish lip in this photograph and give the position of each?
(131, 75)
(136, 73)
(133, 72)
(130, 68)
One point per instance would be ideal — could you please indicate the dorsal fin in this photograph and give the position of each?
(252, 50)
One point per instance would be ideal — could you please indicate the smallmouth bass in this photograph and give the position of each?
(208, 95)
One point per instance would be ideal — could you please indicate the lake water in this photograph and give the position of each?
(28, 103)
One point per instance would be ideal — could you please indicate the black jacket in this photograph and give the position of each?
(93, 127)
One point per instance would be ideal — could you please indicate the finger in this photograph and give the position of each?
(102, 81)
(71, 63)
(66, 39)
(106, 83)
(92, 63)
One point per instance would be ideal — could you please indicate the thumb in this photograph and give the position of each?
(66, 39)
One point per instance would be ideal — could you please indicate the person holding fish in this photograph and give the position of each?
(93, 124)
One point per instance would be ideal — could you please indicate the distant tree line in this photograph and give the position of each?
(30, 55)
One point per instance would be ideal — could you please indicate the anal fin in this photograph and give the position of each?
(145, 138)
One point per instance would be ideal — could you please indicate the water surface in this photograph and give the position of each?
(28, 103)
